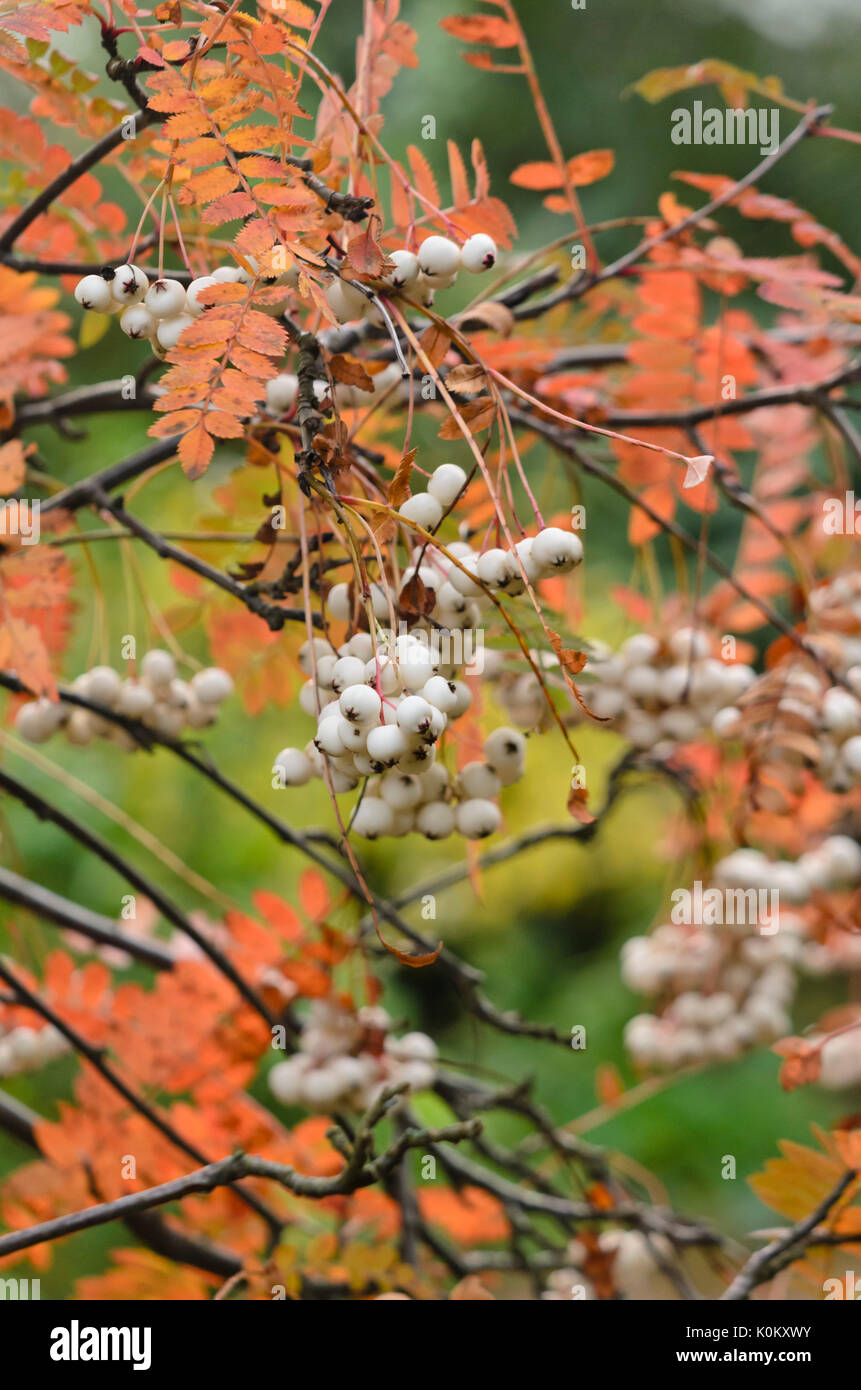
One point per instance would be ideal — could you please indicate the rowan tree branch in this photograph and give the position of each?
(788, 1248)
(73, 917)
(73, 171)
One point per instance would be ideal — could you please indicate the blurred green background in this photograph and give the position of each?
(549, 927)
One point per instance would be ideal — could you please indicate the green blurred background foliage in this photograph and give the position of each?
(549, 927)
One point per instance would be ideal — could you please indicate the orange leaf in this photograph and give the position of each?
(195, 451)
(481, 28)
(588, 168)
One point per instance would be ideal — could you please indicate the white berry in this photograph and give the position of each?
(478, 253)
(94, 293)
(477, 818)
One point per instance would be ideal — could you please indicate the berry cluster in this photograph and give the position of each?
(158, 699)
(382, 704)
(157, 310)
(415, 275)
(26, 1049)
(725, 988)
(663, 692)
(793, 714)
(638, 1265)
(347, 1060)
(380, 716)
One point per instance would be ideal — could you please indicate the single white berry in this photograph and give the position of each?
(383, 675)
(353, 736)
(504, 746)
(415, 668)
(137, 322)
(348, 670)
(339, 602)
(129, 284)
(104, 685)
(319, 646)
(726, 722)
(556, 550)
(464, 699)
(477, 818)
(212, 685)
(640, 649)
(841, 712)
(165, 299)
(440, 693)
(374, 817)
(497, 568)
(435, 820)
(477, 779)
(281, 393)
(478, 253)
(386, 744)
(439, 256)
(169, 330)
(292, 767)
(228, 275)
(464, 583)
(158, 667)
(415, 715)
(328, 738)
(400, 790)
(33, 722)
(423, 509)
(360, 704)
(346, 302)
(446, 482)
(193, 305)
(689, 644)
(80, 729)
(94, 293)
(406, 270)
(851, 754)
(135, 699)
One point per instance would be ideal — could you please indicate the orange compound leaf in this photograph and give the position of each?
(472, 1216)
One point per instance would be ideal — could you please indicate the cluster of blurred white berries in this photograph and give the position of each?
(725, 988)
(637, 1269)
(157, 698)
(380, 716)
(26, 1049)
(662, 693)
(347, 1060)
(793, 714)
